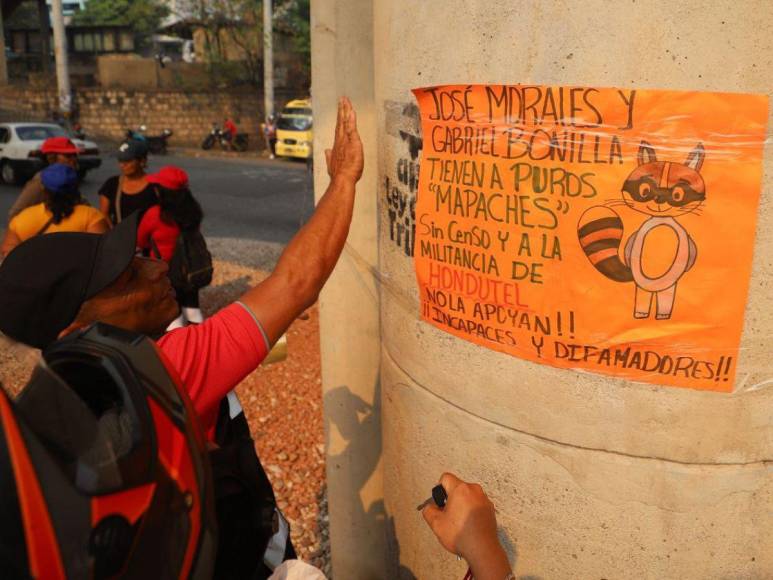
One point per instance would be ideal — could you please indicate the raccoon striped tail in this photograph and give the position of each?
(601, 231)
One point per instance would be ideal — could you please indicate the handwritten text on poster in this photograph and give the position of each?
(609, 230)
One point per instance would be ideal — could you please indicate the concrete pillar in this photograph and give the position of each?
(60, 52)
(593, 477)
(342, 64)
(268, 60)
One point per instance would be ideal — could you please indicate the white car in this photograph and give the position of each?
(20, 156)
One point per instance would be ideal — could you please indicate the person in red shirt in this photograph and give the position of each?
(230, 130)
(160, 228)
(53, 285)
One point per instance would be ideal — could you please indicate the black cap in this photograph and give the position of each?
(132, 149)
(45, 280)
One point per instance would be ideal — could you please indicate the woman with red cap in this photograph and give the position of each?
(54, 150)
(62, 210)
(161, 226)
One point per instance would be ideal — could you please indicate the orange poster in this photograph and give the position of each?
(608, 230)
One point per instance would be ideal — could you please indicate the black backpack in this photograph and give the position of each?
(245, 502)
(190, 268)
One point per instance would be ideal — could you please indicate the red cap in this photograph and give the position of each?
(59, 145)
(170, 177)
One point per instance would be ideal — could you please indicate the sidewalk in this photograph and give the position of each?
(251, 156)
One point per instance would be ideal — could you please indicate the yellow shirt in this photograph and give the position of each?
(30, 221)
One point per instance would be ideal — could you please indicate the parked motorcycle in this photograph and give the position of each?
(157, 144)
(72, 127)
(78, 132)
(219, 137)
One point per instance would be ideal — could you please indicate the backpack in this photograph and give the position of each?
(190, 268)
(244, 501)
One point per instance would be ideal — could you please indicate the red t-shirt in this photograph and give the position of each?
(215, 356)
(230, 127)
(163, 233)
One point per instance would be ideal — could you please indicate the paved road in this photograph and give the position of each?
(252, 207)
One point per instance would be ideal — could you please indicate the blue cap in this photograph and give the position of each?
(59, 178)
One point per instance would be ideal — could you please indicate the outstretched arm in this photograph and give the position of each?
(104, 207)
(309, 258)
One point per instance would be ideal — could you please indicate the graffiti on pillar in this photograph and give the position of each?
(401, 179)
(607, 230)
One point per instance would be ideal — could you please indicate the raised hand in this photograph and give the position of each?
(346, 158)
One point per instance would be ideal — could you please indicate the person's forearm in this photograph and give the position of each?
(312, 254)
(104, 207)
(490, 563)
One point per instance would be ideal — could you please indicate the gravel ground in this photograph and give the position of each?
(282, 401)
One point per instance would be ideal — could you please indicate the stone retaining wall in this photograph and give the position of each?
(107, 113)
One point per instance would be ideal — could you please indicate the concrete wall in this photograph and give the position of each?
(593, 477)
(342, 64)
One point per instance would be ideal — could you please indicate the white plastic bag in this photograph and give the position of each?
(296, 570)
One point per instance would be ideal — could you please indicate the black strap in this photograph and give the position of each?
(45, 226)
(154, 248)
(117, 202)
(245, 502)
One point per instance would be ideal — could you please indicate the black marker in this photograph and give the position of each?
(439, 496)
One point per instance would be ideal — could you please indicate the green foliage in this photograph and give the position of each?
(144, 16)
(231, 27)
(25, 16)
(292, 17)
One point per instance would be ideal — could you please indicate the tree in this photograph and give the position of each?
(144, 16)
(233, 32)
(25, 16)
(292, 17)
(241, 22)
(231, 36)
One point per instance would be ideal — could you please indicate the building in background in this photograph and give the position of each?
(179, 11)
(69, 7)
(85, 44)
(81, 40)
(174, 38)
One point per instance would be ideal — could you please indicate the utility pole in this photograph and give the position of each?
(268, 59)
(60, 53)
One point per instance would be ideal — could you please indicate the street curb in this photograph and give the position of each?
(245, 157)
(216, 153)
(109, 148)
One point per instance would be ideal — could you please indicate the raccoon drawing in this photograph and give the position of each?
(661, 251)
